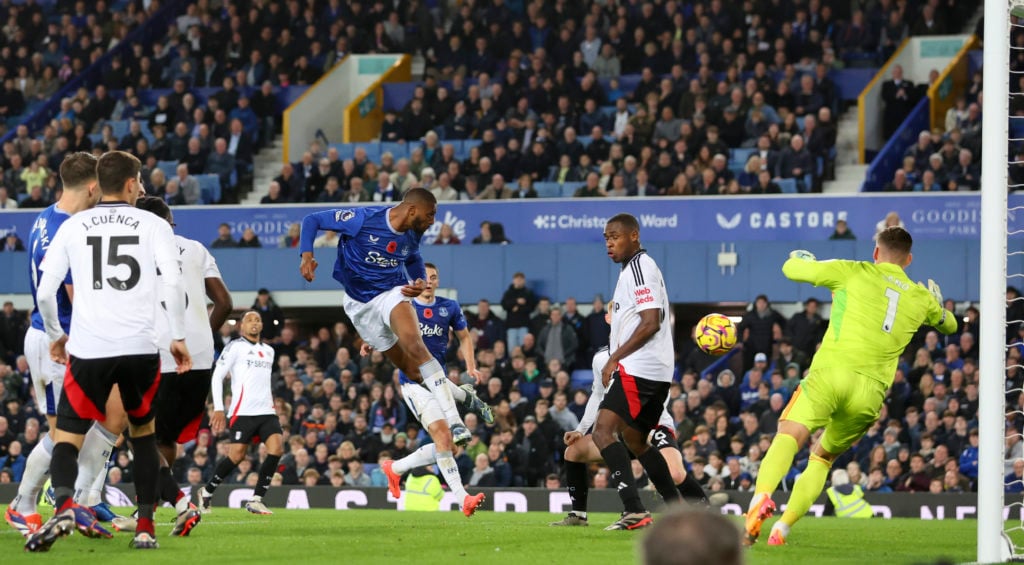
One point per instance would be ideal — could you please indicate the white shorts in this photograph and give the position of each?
(422, 403)
(47, 376)
(373, 319)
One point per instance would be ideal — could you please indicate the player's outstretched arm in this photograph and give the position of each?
(217, 421)
(803, 266)
(218, 293)
(468, 353)
(942, 319)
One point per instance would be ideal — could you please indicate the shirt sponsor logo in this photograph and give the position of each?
(589, 222)
(375, 258)
(431, 330)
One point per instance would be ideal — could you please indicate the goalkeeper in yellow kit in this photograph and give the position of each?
(876, 310)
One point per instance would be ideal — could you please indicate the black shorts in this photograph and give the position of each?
(255, 429)
(639, 402)
(88, 382)
(661, 438)
(181, 405)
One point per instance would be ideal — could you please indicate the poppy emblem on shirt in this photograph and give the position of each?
(428, 313)
(260, 353)
(392, 246)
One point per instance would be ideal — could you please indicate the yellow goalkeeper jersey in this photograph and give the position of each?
(876, 309)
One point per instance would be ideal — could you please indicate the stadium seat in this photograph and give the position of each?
(581, 378)
(468, 144)
(345, 150)
(788, 186)
(170, 168)
(570, 188)
(548, 189)
(741, 154)
(397, 149)
(209, 188)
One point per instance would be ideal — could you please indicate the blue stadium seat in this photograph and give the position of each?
(800, 123)
(119, 127)
(582, 378)
(209, 188)
(570, 188)
(399, 150)
(548, 189)
(788, 186)
(170, 168)
(345, 150)
(741, 154)
(1017, 128)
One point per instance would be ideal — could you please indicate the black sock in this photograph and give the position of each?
(576, 476)
(692, 492)
(169, 491)
(222, 471)
(147, 473)
(64, 473)
(621, 478)
(267, 470)
(657, 470)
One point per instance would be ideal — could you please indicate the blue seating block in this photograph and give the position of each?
(209, 188)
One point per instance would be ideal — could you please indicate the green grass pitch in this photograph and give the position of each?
(304, 537)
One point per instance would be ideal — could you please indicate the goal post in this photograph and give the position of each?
(992, 341)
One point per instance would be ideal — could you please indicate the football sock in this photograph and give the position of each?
(37, 467)
(775, 465)
(434, 377)
(576, 477)
(457, 393)
(63, 471)
(806, 490)
(657, 470)
(425, 455)
(92, 462)
(450, 471)
(147, 469)
(621, 478)
(221, 473)
(267, 470)
(692, 492)
(169, 491)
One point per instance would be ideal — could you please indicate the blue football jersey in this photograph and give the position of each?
(45, 227)
(436, 321)
(372, 257)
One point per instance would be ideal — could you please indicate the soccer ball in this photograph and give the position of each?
(715, 334)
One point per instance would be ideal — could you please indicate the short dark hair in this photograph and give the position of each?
(78, 169)
(155, 205)
(115, 168)
(430, 266)
(896, 240)
(419, 196)
(627, 221)
(682, 537)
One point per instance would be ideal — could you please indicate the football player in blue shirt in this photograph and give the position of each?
(380, 266)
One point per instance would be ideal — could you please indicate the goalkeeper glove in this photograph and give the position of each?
(802, 254)
(933, 288)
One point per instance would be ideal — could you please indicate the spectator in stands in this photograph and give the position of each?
(518, 302)
(899, 97)
(899, 182)
(12, 242)
(224, 238)
(842, 231)
(222, 164)
(386, 190)
(807, 328)
(557, 340)
(497, 189)
(35, 199)
(332, 191)
(249, 239)
(796, 161)
(188, 185)
(273, 195)
(171, 194)
(965, 175)
(6, 202)
(291, 238)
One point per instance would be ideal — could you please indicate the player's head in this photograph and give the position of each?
(685, 537)
(156, 206)
(78, 176)
(419, 207)
(119, 176)
(622, 237)
(251, 325)
(893, 246)
(432, 282)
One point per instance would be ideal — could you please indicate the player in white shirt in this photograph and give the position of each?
(250, 362)
(81, 192)
(642, 364)
(181, 399)
(126, 265)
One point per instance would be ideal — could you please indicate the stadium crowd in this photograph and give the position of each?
(342, 415)
(537, 83)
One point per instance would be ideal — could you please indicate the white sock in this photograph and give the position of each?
(457, 393)
(435, 379)
(450, 470)
(425, 455)
(181, 505)
(37, 467)
(782, 527)
(92, 465)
